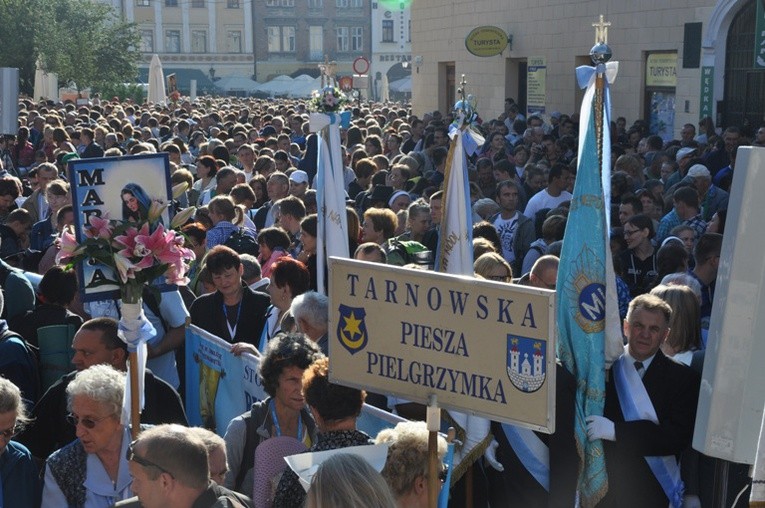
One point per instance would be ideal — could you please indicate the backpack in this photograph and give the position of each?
(23, 371)
(403, 252)
(242, 243)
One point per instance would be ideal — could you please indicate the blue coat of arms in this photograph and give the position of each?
(526, 362)
(351, 329)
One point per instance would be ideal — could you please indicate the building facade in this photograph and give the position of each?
(678, 61)
(293, 36)
(201, 39)
(391, 44)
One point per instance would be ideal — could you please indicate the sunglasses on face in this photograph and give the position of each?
(88, 423)
(131, 456)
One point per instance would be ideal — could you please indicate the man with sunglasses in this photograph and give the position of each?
(169, 466)
(96, 342)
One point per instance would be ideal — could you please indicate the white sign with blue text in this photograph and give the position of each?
(480, 346)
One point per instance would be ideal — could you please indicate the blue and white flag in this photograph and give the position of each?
(332, 227)
(587, 340)
(219, 385)
(455, 256)
(455, 237)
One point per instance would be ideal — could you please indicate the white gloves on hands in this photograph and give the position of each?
(491, 456)
(599, 427)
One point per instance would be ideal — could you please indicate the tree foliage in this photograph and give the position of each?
(83, 41)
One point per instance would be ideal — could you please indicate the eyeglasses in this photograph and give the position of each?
(9, 434)
(500, 278)
(628, 233)
(131, 456)
(88, 423)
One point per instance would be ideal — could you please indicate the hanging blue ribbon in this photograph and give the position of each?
(344, 117)
(469, 143)
(665, 469)
(537, 465)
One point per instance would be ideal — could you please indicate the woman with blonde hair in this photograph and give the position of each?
(685, 324)
(227, 218)
(492, 266)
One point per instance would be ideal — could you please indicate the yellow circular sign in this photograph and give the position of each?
(486, 41)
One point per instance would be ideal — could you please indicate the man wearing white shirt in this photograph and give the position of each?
(558, 180)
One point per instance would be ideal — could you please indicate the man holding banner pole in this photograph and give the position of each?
(588, 319)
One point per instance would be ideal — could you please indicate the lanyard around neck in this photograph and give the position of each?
(278, 428)
(232, 329)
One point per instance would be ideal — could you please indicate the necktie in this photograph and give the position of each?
(639, 368)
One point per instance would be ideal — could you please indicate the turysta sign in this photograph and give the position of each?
(486, 41)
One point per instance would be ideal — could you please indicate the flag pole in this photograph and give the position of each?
(135, 396)
(600, 54)
(433, 422)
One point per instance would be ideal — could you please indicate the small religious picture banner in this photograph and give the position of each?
(128, 189)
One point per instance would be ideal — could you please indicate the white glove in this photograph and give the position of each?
(599, 427)
(691, 501)
(491, 456)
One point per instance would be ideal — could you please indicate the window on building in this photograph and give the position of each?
(173, 41)
(387, 30)
(316, 42)
(315, 4)
(342, 38)
(171, 3)
(280, 3)
(147, 41)
(357, 38)
(341, 3)
(357, 3)
(198, 3)
(233, 4)
(234, 40)
(281, 39)
(143, 3)
(288, 38)
(199, 41)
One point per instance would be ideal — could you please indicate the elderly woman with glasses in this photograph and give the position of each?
(19, 486)
(91, 471)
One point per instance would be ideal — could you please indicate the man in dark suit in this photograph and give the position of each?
(632, 436)
(92, 149)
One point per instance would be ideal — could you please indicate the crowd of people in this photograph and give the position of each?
(250, 171)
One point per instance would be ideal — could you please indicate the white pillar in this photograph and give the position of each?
(185, 29)
(248, 26)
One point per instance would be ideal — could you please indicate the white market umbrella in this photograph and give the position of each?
(304, 88)
(157, 92)
(403, 85)
(279, 85)
(51, 85)
(385, 89)
(40, 88)
(237, 84)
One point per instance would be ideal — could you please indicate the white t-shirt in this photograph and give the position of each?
(506, 231)
(542, 200)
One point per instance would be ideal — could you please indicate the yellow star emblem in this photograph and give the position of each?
(352, 325)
